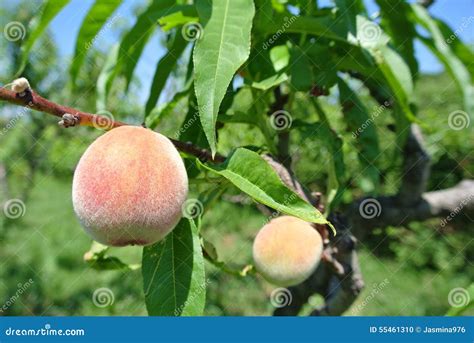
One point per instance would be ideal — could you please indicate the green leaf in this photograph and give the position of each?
(317, 26)
(333, 142)
(301, 72)
(270, 82)
(163, 70)
(347, 56)
(259, 66)
(369, 34)
(158, 114)
(133, 43)
(347, 11)
(398, 77)
(246, 102)
(400, 28)
(50, 9)
(223, 48)
(184, 14)
(173, 273)
(191, 129)
(280, 57)
(324, 68)
(363, 129)
(461, 50)
(441, 49)
(104, 77)
(91, 25)
(249, 172)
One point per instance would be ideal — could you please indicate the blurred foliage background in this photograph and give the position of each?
(47, 244)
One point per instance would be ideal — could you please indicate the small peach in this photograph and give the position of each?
(287, 250)
(129, 187)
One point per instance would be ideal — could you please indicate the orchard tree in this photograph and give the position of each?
(272, 65)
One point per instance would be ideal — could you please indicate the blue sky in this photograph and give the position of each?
(66, 26)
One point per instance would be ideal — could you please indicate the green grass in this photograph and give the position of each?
(48, 244)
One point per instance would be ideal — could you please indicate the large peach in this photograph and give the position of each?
(287, 250)
(129, 187)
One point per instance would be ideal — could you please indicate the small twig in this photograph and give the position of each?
(245, 271)
(73, 117)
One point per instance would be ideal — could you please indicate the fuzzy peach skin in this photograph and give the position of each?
(287, 250)
(129, 187)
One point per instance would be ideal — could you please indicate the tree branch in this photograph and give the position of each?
(71, 117)
(416, 168)
(411, 203)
